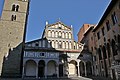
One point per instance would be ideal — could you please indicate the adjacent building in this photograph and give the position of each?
(107, 41)
(104, 41)
(54, 55)
(82, 30)
(86, 67)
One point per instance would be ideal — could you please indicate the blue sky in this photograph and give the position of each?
(71, 12)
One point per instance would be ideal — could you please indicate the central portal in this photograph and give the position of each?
(41, 68)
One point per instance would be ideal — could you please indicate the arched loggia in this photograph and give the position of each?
(41, 68)
(30, 68)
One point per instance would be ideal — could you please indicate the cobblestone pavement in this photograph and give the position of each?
(76, 78)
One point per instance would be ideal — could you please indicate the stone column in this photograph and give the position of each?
(23, 72)
(57, 71)
(37, 71)
(46, 71)
(78, 71)
(85, 68)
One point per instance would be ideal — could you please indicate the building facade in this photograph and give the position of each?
(82, 30)
(12, 34)
(86, 54)
(54, 55)
(107, 42)
(104, 41)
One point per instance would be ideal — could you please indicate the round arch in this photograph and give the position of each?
(49, 33)
(82, 68)
(89, 68)
(73, 67)
(70, 45)
(51, 68)
(66, 46)
(41, 68)
(66, 35)
(70, 35)
(53, 33)
(30, 68)
(56, 34)
(63, 35)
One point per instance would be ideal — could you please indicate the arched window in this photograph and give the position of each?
(60, 34)
(66, 35)
(114, 48)
(70, 36)
(104, 52)
(56, 34)
(53, 34)
(108, 25)
(108, 49)
(114, 18)
(49, 33)
(13, 18)
(63, 35)
(17, 7)
(99, 53)
(74, 45)
(62, 27)
(70, 45)
(67, 45)
(13, 7)
(63, 44)
(60, 45)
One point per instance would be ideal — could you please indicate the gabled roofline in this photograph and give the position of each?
(34, 40)
(109, 8)
(58, 23)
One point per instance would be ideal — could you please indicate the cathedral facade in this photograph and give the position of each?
(54, 55)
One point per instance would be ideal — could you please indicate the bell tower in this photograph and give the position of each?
(13, 24)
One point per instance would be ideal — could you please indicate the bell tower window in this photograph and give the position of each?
(13, 18)
(15, 7)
